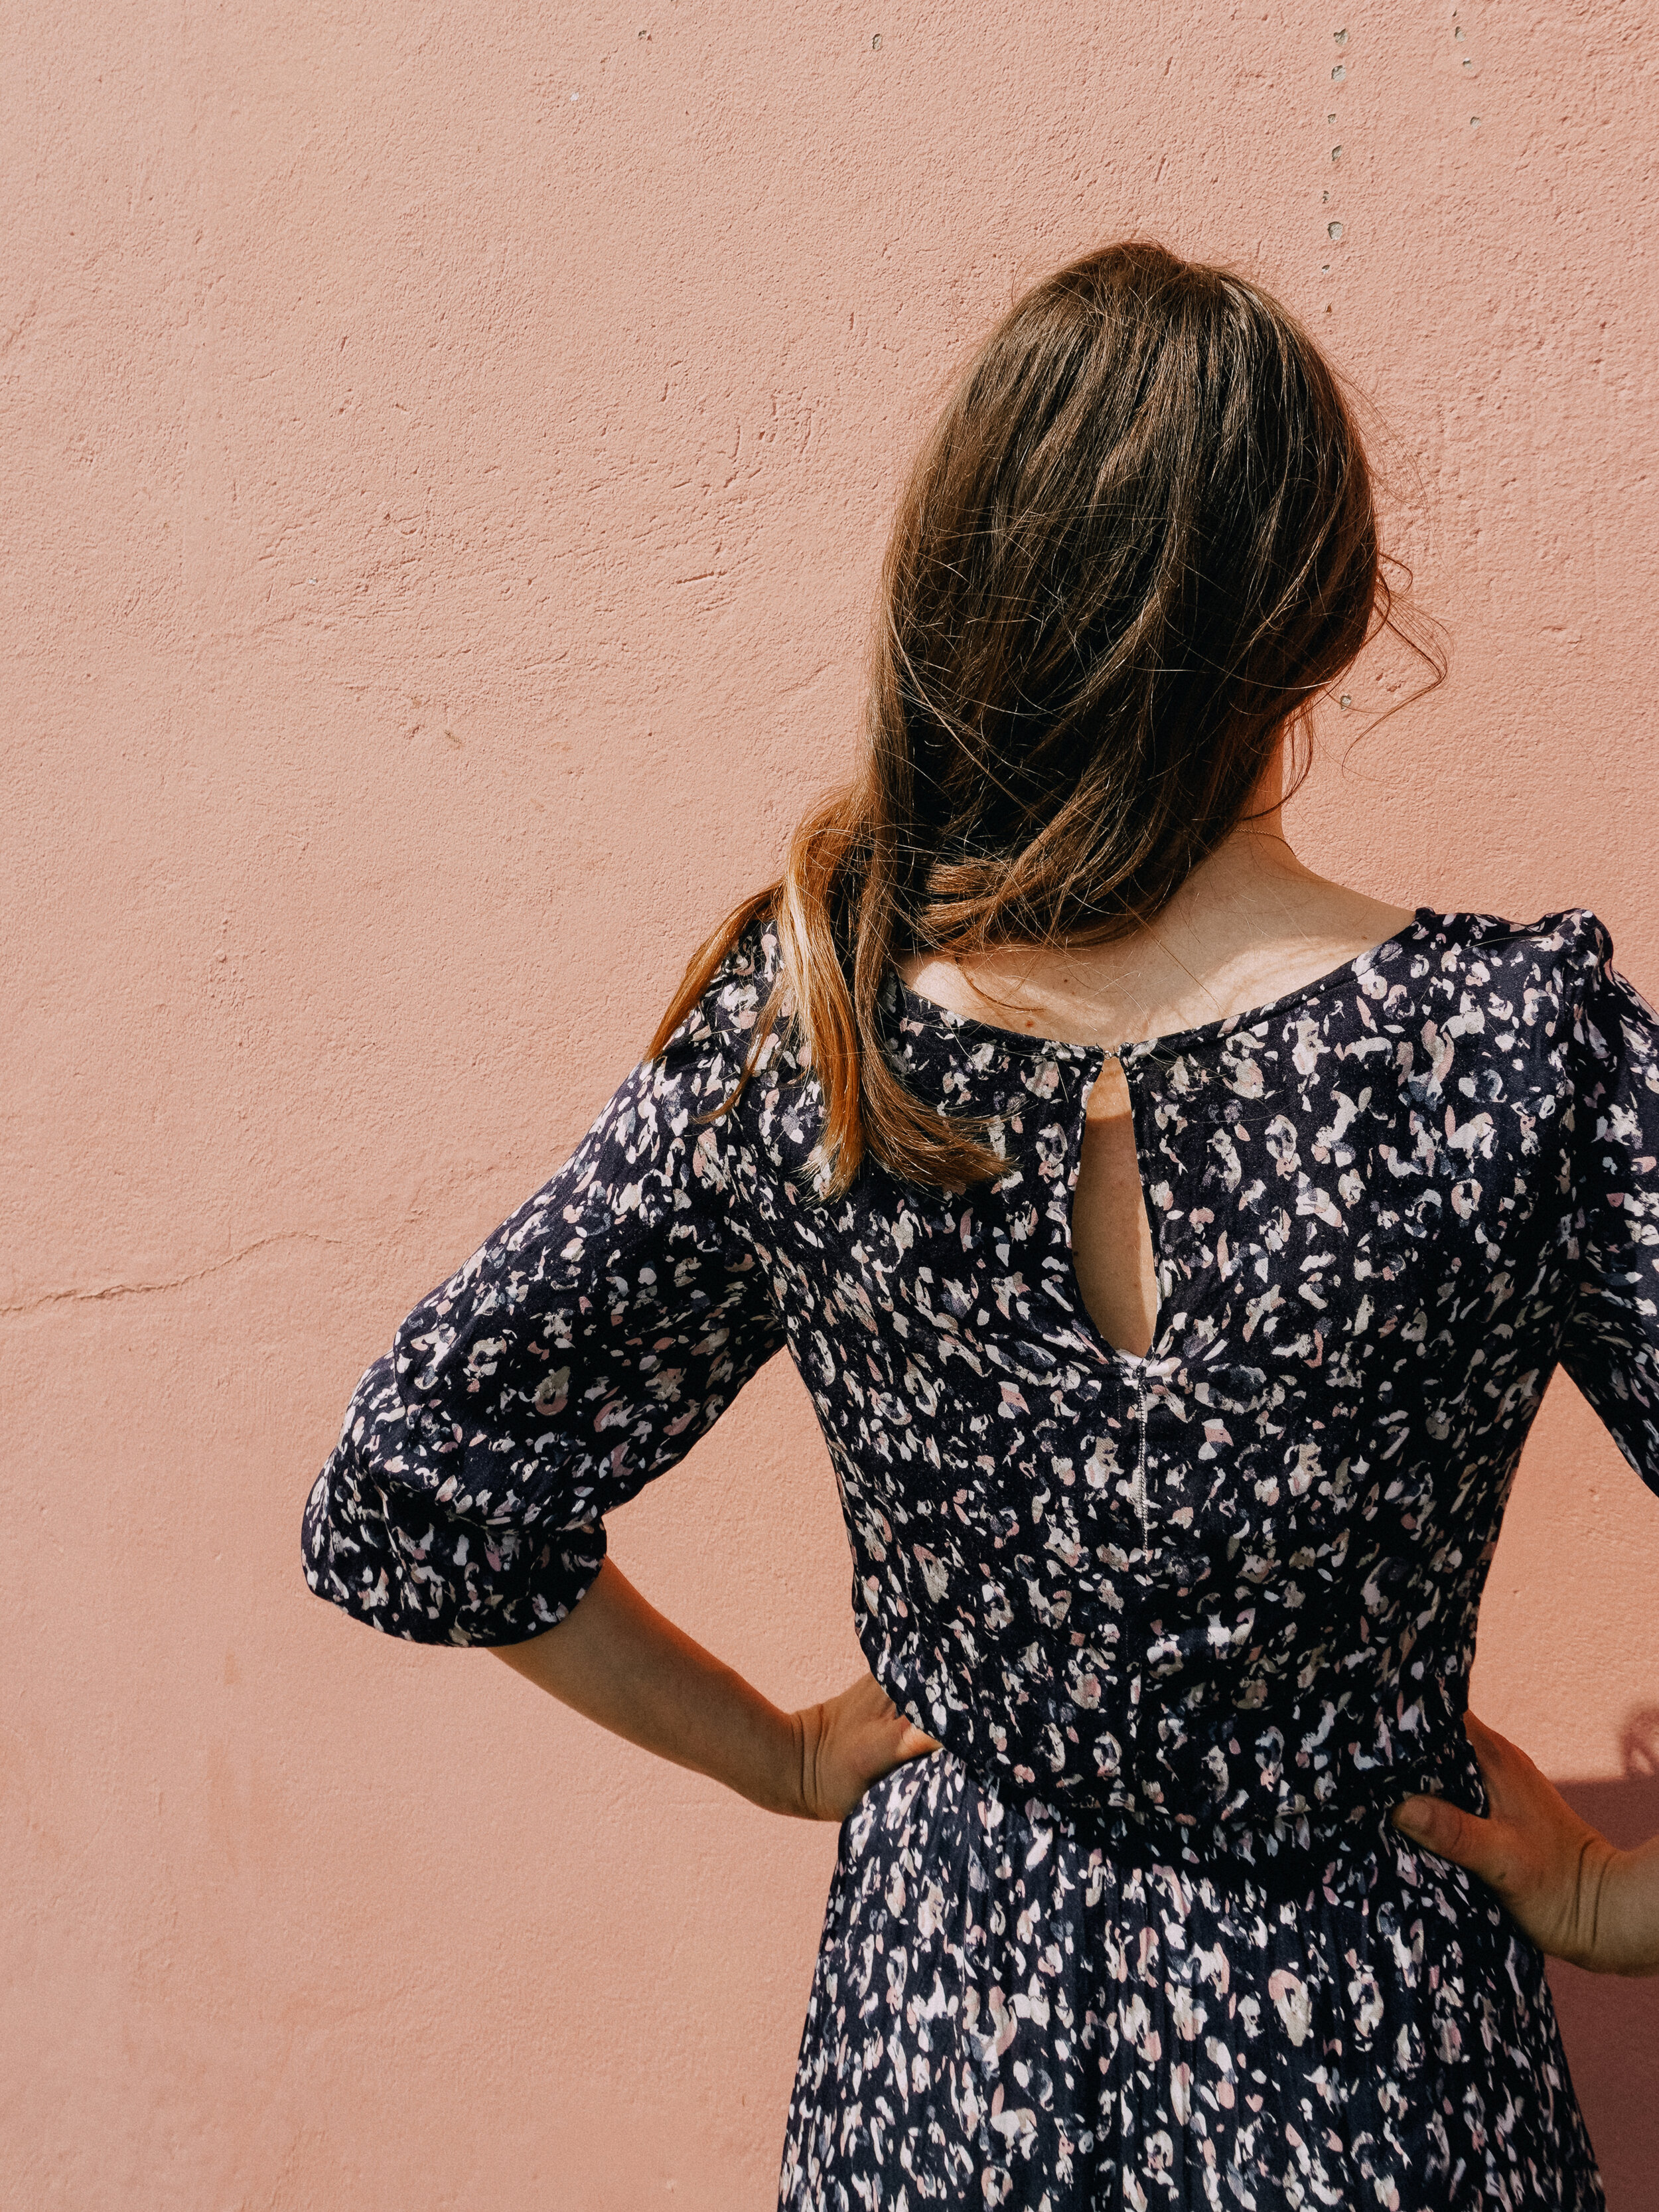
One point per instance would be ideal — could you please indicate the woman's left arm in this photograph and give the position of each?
(618, 1661)
(1572, 1892)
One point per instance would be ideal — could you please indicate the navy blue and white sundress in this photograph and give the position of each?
(1187, 1625)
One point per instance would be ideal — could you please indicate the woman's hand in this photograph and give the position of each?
(615, 1659)
(1571, 1890)
(848, 1742)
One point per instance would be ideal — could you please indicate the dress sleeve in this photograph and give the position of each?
(581, 1352)
(1610, 1346)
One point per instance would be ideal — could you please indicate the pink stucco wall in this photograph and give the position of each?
(445, 457)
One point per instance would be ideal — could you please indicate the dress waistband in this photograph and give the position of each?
(1339, 1850)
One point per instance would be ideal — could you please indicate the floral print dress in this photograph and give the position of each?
(1187, 1625)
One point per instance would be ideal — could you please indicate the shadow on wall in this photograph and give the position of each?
(1611, 2026)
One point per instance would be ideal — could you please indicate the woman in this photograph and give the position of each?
(1176, 1247)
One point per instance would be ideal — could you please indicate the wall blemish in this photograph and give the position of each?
(1334, 227)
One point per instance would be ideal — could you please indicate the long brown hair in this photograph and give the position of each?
(1138, 542)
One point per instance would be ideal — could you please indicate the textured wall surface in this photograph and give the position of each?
(445, 455)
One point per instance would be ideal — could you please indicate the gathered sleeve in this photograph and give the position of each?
(1610, 1346)
(580, 1353)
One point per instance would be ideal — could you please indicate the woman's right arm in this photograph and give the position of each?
(1575, 1894)
(618, 1661)
(1572, 1892)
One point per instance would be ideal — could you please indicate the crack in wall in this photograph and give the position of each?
(74, 1295)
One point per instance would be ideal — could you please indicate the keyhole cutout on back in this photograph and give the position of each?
(1111, 1237)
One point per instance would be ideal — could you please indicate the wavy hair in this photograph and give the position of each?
(1140, 541)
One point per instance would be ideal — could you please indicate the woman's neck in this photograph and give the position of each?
(1250, 923)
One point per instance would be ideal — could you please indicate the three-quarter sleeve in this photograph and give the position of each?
(1610, 1346)
(580, 1353)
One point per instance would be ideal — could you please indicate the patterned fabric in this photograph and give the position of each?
(1187, 1625)
(1006, 2012)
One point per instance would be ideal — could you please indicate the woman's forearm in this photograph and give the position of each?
(616, 1659)
(1635, 1901)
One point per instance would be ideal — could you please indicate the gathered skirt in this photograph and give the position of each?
(1010, 2009)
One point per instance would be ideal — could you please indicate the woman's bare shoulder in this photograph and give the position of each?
(1201, 961)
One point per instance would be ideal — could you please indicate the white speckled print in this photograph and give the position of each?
(1187, 1625)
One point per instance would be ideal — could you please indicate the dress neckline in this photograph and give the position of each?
(1168, 1042)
